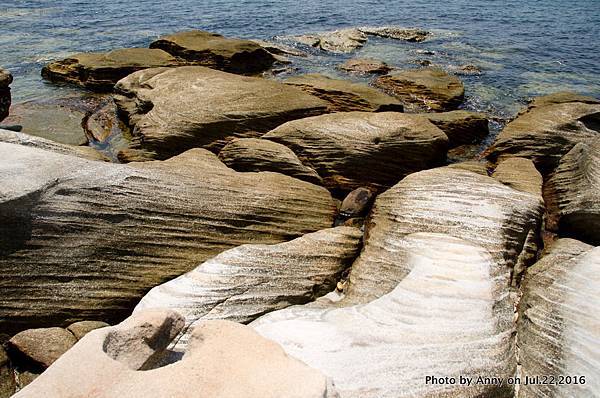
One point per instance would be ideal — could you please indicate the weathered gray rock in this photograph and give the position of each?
(86, 240)
(81, 328)
(5, 97)
(557, 324)
(447, 316)
(100, 71)
(248, 281)
(215, 51)
(396, 32)
(363, 149)
(365, 66)
(520, 174)
(41, 346)
(548, 129)
(429, 89)
(337, 41)
(573, 194)
(344, 95)
(174, 109)
(461, 127)
(253, 154)
(223, 360)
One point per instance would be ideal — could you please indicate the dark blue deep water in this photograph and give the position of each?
(525, 47)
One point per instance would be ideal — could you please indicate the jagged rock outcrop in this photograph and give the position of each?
(254, 154)
(573, 194)
(248, 281)
(520, 174)
(447, 316)
(548, 129)
(174, 109)
(396, 32)
(337, 41)
(558, 323)
(223, 360)
(356, 149)
(5, 97)
(100, 71)
(461, 127)
(84, 240)
(365, 66)
(429, 89)
(344, 95)
(215, 51)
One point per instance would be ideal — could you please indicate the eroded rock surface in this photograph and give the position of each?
(461, 127)
(5, 97)
(396, 32)
(337, 41)
(520, 174)
(41, 346)
(81, 328)
(365, 66)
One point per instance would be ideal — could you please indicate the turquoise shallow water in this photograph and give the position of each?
(525, 48)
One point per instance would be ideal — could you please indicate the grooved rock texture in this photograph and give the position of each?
(573, 194)
(174, 109)
(447, 316)
(396, 32)
(337, 41)
(41, 346)
(520, 174)
(354, 149)
(5, 97)
(429, 89)
(363, 66)
(223, 360)
(253, 154)
(456, 202)
(345, 96)
(547, 130)
(100, 71)
(85, 152)
(558, 325)
(86, 240)
(248, 281)
(461, 127)
(215, 51)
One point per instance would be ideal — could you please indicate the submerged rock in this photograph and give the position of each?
(248, 281)
(100, 71)
(215, 51)
(5, 98)
(223, 360)
(338, 41)
(365, 66)
(396, 32)
(280, 49)
(461, 127)
(174, 109)
(345, 96)
(86, 240)
(428, 88)
(253, 154)
(363, 149)
(41, 346)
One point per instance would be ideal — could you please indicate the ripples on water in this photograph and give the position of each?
(525, 48)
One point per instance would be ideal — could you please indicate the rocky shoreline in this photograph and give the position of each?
(301, 236)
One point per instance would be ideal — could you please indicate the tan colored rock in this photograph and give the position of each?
(337, 41)
(573, 194)
(41, 346)
(253, 154)
(223, 360)
(248, 281)
(363, 149)
(100, 71)
(365, 66)
(81, 328)
(215, 51)
(461, 127)
(5, 97)
(174, 109)
(520, 174)
(429, 89)
(86, 240)
(558, 323)
(103, 123)
(356, 203)
(396, 32)
(280, 49)
(561, 97)
(474, 166)
(547, 130)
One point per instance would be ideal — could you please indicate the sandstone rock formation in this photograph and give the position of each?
(429, 89)
(215, 51)
(41, 346)
(548, 129)
(280, 49)
(474, 166)
(364, 66)
(5, 97)
(86, 240)
(396, 32)
(174, 109)
(223, 360)
(558, 324)
(345, 96)
(461, 127)
(447, 316)
(338, 41)
(100, 71)
(254, 154)
(520, 174)
(248, 281)
(363, 149)
(573, 194)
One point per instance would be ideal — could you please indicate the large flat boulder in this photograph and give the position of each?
(248, 281)
(215, 51)
(362, 66)
(85, 240)
(446, 317)
(100, 71)
(344, 95)
(396, 33)
(558, 324)
(573, 194)
(223, 360)
(548, 129)
(174, 109)
(337, 41)
(41, 346)
(353, 149)
(429, 89)
(5, 97)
